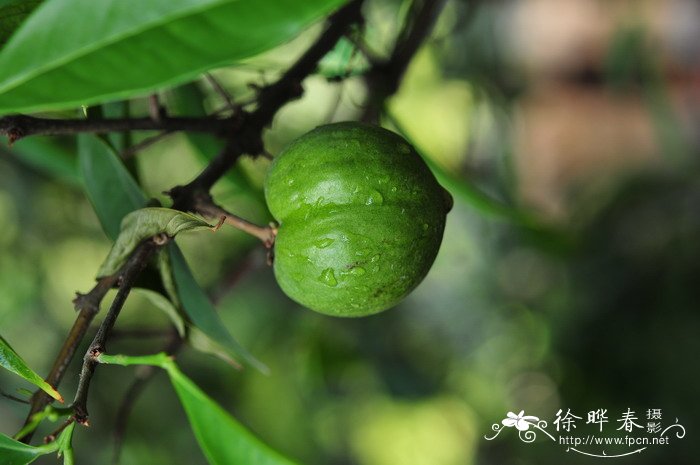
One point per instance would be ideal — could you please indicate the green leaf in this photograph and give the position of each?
(142, 224)
(17, 453)
(343, 61)
(223, 440)
(12, 14)
(166, 276)
(109, 186)
(14, 363)
(201, 311)
(79, 52)
(45, 154)
(166, 306)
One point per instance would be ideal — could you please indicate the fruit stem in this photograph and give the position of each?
(266, 234)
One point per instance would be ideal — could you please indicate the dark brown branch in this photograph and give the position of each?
(127, 276)
(384, 78)
(19, 126)
(246, 137)
(87, 306)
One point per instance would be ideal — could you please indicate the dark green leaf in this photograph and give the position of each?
(110, 188)
(16, 453)
(14, 363)
(201, 311)
(45, 154)
(343, 61)
(12, 14)
(223, 440)
(78, 52)
(142, 224)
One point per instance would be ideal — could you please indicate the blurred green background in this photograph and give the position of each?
(580, 117)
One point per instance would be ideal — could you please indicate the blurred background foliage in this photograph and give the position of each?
(580, 114)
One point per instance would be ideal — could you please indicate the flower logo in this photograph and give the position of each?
(520, 421)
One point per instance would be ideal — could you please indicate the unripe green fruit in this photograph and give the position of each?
(361, 219)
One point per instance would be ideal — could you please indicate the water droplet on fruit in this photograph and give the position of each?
(328, 277)
(357, 271)
(290, 181)
(323, 243)
(425, 226)
(393, 189)
(374, 198)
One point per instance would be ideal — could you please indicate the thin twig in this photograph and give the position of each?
(145, 143)
(127, 276)
(15, 398)
(155, 109)
(205, 206)
(87, 306)
(223, 93)
(52, 436)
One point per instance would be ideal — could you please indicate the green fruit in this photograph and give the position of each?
(361, 219)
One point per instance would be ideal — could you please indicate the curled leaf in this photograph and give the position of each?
(142, 224)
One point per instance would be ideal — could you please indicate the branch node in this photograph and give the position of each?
(94, 352)
(81, 418)
(161, 239)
